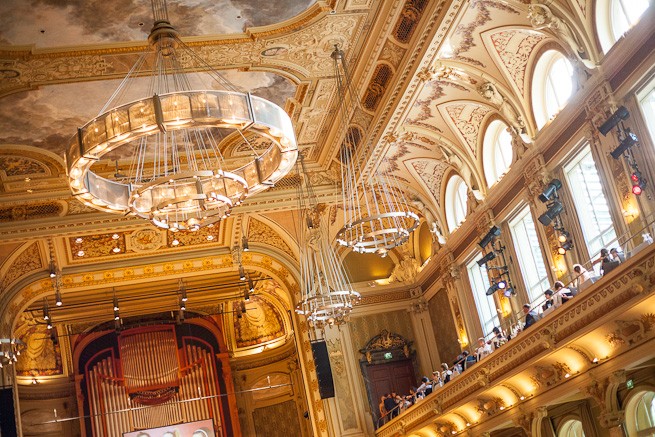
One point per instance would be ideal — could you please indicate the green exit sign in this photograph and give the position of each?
(388, 356)
(630, 384)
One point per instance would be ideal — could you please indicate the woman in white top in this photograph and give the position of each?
(583, 275)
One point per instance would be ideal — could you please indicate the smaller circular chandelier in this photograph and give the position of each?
(175, 137)
(327, 298)
(376, 215)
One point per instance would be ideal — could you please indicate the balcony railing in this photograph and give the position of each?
(591, 314)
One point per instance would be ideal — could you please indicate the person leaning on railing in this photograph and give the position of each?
(530, 316)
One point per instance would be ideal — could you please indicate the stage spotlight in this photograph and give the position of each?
(552, 212)
(485, 259)
(614, 119)
(629, 141)
(502, 284)
(638, 183)
(565, 247)
(493, 233)
(550, 189)
(509, 292)
(491, 290)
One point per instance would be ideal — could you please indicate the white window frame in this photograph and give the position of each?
(571, 428)
(607, 26)
(497, 154)
(530, 256)
(486, 305)
(647, 107)
(607, 237)
(632, 415)
(456, 202)
(544, 85)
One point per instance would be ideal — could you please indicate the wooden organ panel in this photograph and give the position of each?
(152, 383)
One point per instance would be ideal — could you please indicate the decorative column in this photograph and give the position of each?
(453, 284)
(348, 407)
(425, 343)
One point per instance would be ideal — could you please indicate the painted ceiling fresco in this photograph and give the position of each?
(480, 73)
(52, 23)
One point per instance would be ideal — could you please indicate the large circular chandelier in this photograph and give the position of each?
(174, 138)
(376, 215)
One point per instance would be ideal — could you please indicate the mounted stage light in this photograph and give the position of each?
(502, 284)
(493, 233)
(555, 210)
(627, 142)
(614, 119)
(565, 247)
(491, 290)
(509, 292)
(638, 183)
(485, 259)
(550, 190)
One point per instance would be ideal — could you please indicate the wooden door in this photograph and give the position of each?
(383, 378)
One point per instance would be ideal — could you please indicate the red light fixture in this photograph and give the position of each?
(638, 183)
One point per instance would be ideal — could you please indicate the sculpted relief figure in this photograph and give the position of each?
(490, 92)
(541, 17)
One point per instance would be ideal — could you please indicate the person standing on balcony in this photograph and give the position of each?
(530, 316)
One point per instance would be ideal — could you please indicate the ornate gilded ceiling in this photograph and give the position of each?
(430, 74)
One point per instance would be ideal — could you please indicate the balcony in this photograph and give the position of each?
(606, 328)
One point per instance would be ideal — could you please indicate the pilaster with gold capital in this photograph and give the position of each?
(426, 343)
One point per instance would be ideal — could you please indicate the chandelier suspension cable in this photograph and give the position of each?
(376, 215)
(327, 298)
(176, 137)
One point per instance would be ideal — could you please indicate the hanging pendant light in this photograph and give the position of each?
(175, 134)
(327, 297)
(376, 216)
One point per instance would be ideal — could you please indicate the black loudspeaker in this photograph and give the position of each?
(323, 369)
(7, 416)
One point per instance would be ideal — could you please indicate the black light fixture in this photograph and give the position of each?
(53, 269)
(183, 295)
(613, 120)
(116, 306)
(509, 292)
(550, 190)
(246, 295)
(485, 259)
(638, 183)
(489, 237)
(58, 300)
(251, 285)
(553, 211)
(491, 290)
(626, 143)
(565, 247)
(46, 310)
(244, 244)
(182, 305)
(242, 273)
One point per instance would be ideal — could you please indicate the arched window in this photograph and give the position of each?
(456, 200)
(571, 428)
(496, 151)
(552, 85)
(615, 18)
(640, 415)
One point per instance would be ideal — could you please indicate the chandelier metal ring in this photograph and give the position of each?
(160, 114)
(381, 239)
